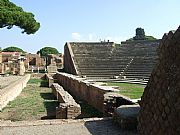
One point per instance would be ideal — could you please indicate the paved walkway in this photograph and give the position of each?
(97, 126)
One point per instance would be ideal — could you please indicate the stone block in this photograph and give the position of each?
(126, 116)
(52, 69)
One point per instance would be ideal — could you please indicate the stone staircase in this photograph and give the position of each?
(132, 60)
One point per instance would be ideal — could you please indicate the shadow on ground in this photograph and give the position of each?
(106, 127)
(50, 104)
(44, 83)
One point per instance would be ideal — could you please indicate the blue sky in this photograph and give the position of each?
(91, 20)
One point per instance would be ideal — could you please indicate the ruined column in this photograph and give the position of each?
(21, 69)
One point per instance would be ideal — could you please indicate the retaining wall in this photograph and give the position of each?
(10, 92)
(100, 97)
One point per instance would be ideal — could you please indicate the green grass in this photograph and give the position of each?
(31, 104)
(36, 102)
(132, 91)
(42, 83)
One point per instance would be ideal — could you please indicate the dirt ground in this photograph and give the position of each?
(89, 126)
(5, 81)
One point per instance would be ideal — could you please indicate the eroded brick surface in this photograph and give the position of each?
(160, 104)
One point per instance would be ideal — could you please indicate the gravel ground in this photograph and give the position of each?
(91, 127)
(5, 81)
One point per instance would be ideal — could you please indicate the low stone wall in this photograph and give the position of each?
(50, 79)
(10, 92)
(68, 107)
(100, 97)
(38, 75)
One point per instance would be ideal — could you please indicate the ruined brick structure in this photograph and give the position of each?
(55, 59)
(68, 108)
(99, 60)
(103, 98)
(33, 60)
(160, 104)
(9, 62)
(8, 56)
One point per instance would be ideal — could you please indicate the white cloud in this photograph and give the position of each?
(90, 36)
(76, 36)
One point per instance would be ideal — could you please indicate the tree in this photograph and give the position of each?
(48, 50)
(13, 49)
(12, 15)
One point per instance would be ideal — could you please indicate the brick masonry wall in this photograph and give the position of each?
(95, 95)
(68, 60)
(10, 92)
(68, 107)
(160, 103)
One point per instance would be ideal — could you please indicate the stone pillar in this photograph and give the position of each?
(1, 68)
(21, 67)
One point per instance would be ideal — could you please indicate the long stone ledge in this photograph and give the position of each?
(10, 92)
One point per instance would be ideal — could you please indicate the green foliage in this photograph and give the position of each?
(12, 15)
(13, 49)
(150, 38)
(146, 38)
(140, 35)
(48, 50)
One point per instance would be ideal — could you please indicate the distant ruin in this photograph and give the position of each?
(10, 62)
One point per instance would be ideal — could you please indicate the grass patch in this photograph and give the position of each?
(41, 82)
(31, 104)
(132, 91)
(35, 81)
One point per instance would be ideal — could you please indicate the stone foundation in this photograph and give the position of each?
(103, 98)
(68, 107)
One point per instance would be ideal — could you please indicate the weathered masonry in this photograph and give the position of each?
(68, 108)
(160, 104)
(105, 60)
(103, 98)
(10, 92)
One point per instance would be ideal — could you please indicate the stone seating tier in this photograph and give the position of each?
(107, 59)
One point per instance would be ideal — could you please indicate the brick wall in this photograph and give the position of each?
(95, 95)
(160, 104)
(68, 107)
(69, 65)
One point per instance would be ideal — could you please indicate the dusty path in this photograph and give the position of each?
(90, 126)
(5, 81)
